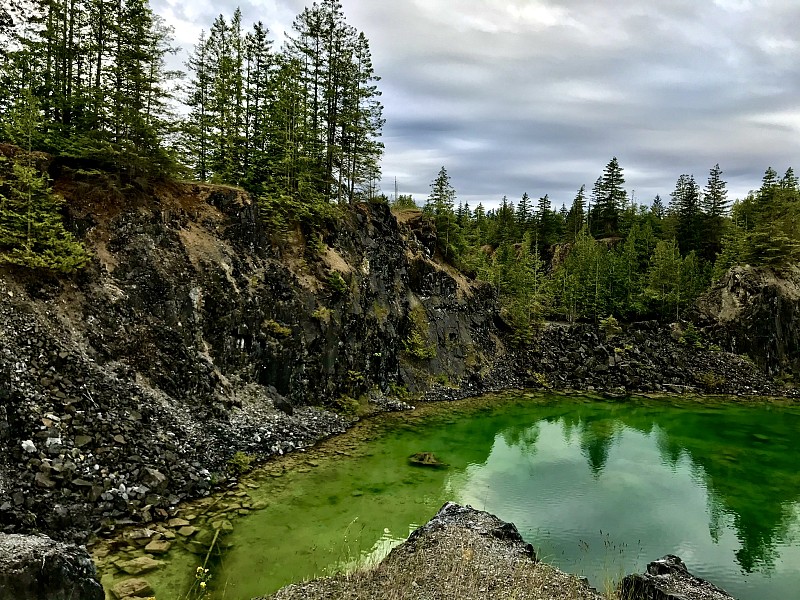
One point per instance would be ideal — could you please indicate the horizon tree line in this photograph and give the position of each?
(608, 256)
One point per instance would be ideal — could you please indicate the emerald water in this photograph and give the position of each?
(599, 488)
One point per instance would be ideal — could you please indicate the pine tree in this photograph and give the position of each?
(576, 215)
(664, 279)
(199, 125)
(32, 232)
(523, 213)
(714, 206)
(790, 181)
(686, 203)
(440, 205)
(609, 197)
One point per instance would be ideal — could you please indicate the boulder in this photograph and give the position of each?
(35, 566)
(668, 579)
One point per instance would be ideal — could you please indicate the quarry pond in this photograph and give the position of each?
(598, 487)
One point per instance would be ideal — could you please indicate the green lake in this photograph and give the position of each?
(599, 488)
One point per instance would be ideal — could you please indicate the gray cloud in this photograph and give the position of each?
(537, 95)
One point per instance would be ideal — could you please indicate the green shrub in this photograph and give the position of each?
(710, 381)
(344, 404)
(417, 346)
(337, 284)
(691, 337)
(399, 391)
(610, 326)
(240, 463)
(322, 314)
(276, 329)
(541, 379)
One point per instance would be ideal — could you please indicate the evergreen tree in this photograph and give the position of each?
(576, 216)
(440, 205)
(714, 207)
(664, 279)
(610, 197)
(32, 232)
(790, 181)
(686, 203)
(524, 213)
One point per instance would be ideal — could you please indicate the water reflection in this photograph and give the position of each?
(744, 458)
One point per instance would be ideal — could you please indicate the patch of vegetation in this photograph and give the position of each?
(443, 379)
(540, 379)
(417, 346)
(380, 311)
(399, 391)
(691, 337)
(785, 379)
(344, 405)
(355, 380)
(276, 329)
(710, 381)
(610, 327)
(32, 232)
(240, 463)
(315, 247)
(322, 314)
(337, 284)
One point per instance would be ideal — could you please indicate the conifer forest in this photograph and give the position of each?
(299, 128)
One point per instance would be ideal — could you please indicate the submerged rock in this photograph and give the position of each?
(426, 459)
(33, 566)
(132, 588)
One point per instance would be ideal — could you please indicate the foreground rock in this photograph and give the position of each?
(39, 567)
(668, 579)
(467, 554)
(463, 554)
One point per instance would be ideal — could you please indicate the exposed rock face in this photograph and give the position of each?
(38, 567)
(668, 579)
(756, 310)
(645, 357)
(193, 334)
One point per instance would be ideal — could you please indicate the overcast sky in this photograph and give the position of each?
(514, 96)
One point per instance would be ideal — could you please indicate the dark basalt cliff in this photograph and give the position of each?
(130, 385)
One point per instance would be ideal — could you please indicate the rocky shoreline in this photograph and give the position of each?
(460, 554)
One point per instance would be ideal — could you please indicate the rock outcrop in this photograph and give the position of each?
(461, 553)
(644, 357)
(39, 567)
(668, 579)
(756, 311)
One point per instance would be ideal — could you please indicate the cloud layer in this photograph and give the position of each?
(536, 96)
